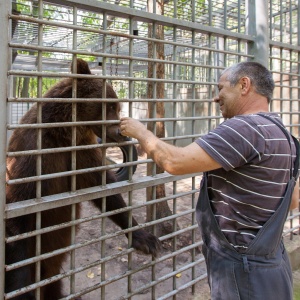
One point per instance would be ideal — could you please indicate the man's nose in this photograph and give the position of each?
(216, 99)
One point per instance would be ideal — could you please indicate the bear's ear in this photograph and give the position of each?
(82, 67)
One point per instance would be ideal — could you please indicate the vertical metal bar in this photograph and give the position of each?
(290, 105)
(239, 15)
(39, 146)
(281, 21)
(257, 25)
(291, 89)
(262, 29)
(210, 6)
(193, 58)
(154, 115)
(298, 30)
(73, 154)
(298, 43)
(130, 194)
(154, 6)
(193, 13)
(220, 61)
(290, 70)
(175, 77)
(281, 82)
(175, 9)
(225, 43)
(271, 66)
(239, 50)
(175, 237)
(225, 15)
(5, 7)
(290, 23)
(271, 19)
(74, 95)
(154, 84)
(250, 24)
(103, 173)
(291, 115)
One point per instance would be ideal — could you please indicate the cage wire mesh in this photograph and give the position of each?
(192, 42)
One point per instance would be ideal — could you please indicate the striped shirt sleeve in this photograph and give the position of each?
(233, 144)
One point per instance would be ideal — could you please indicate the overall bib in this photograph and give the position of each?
(264, 271)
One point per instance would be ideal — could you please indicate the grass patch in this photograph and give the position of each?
(297, 292)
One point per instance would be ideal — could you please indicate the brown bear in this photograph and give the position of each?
(25, 166)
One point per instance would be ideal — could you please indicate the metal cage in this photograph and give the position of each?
(163, 60)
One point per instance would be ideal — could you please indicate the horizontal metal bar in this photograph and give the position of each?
(166, 277)
(287, 73)
(293, 216)
(94, 146)
(290, 230)
(178, 232)
(286, 99)
(68, 75)
(60, 174)
(108, 122)
(107, 100)
(63, 124)
(55, 23)
(183, 287)
(134, 58)
(286, 113)
(286, 86)
(48, 202)
(62, 149)
(284, 59)
(284, 46)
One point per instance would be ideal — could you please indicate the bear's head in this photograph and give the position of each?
(89, 110)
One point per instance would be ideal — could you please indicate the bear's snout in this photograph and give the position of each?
(114, 133)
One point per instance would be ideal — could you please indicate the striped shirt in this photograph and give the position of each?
(256, 160)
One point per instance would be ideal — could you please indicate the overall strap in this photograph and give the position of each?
(296, 142)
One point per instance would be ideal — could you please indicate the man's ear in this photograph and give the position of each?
(245, 83)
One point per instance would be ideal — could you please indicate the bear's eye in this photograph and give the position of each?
(111, 107)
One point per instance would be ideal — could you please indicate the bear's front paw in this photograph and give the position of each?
(146, 242)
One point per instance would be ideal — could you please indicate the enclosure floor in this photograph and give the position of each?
(117, 289)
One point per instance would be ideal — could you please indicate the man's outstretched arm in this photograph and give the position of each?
(174, 160)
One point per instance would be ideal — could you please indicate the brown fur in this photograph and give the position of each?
(25, 166)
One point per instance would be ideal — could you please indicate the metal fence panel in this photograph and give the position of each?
(163, 62)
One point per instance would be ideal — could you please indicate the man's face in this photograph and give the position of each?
(228, 97)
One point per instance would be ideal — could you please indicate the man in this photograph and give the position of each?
(250, 170)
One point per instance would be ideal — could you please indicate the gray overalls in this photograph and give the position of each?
(263, 272)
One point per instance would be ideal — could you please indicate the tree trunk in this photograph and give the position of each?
(161, 209)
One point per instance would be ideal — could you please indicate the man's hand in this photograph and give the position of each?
(132, 128)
